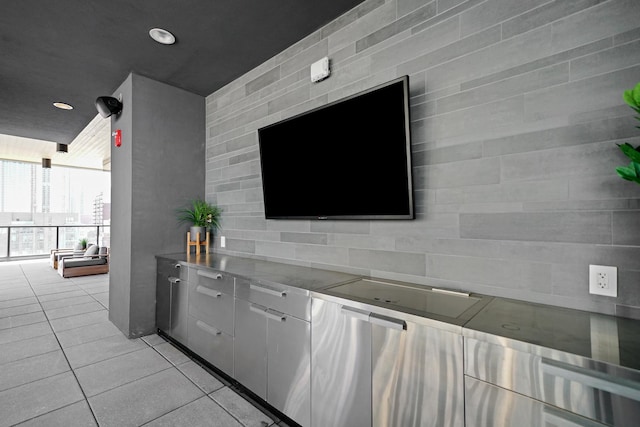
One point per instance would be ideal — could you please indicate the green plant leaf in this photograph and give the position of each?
(629, 99)
(630, 152)
(628, 174)
(636, 94)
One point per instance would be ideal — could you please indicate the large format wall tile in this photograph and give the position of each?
(516, 108)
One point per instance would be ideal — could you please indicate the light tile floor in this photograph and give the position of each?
(63, 363)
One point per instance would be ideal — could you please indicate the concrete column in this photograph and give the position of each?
(159, 167)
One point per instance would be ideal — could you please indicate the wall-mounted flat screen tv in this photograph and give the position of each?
(350, 159)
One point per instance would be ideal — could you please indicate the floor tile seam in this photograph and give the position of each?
(168, 360)
(114, 357)
(179, 407)
(71, 305)
(75, 314)
(20, 297)
(13, 287)
(108, 358)
(24, 324)
(81, 326)
(22, 305)
(29, 357)
(208, 394)
(225, 409)
(67, 360)
(22, 314)
(39, 294)
(38, 379)
(193, 382)
(86, 342)
(128, 382)
(45, 413)
(26, 338)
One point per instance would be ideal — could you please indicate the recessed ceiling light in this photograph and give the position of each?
(63, 105)
(162, 36)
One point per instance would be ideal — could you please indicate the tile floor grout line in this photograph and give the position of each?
(193, 382)
(86, 399)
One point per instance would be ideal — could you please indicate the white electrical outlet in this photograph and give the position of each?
(603, 280)
(223, 241)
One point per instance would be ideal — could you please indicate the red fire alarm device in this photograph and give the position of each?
(117, 138)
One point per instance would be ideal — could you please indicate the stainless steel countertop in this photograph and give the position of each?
(609, 339)
(265, 271)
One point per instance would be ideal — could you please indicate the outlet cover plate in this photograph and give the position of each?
(610, 274)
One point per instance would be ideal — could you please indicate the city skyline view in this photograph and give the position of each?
(46, 208)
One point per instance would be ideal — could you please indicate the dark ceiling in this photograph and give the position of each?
(76, 50)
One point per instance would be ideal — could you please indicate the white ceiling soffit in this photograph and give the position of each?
(91, 149)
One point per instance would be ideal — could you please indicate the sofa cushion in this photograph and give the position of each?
(91, 250)
(71, 263)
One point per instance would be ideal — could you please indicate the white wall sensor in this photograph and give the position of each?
(320, 69)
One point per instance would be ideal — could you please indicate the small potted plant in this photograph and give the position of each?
(202, 216)
(82, 244)
(631, 172)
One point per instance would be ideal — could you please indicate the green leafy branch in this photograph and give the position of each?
(631, 172)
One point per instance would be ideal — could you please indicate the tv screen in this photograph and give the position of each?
(350, 159)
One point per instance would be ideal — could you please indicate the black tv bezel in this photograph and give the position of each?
(407, 121)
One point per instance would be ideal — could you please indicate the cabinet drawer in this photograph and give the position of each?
(211, 344)
(212, 307)
(490, 406)
(166, 268)
(218, 281)
(293, 301)
(592, 389)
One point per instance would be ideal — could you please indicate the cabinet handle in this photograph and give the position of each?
(214, 276)
(275, 315)
(210, 329)
(450, 292)
(174, 280)
(208, 292)
(257, 308)
(267, 290)
(594, 379)
(355, 313)
(388, 322)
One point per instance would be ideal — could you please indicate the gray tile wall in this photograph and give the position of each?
(516, 110)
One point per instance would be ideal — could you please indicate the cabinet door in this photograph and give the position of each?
(417, 375)
(171, 301)
(340, 366)
(179, 308)
(250, 347)
(489, 406)
(289, 366)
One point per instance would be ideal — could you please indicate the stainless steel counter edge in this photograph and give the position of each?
(426, 321)
(477, 326)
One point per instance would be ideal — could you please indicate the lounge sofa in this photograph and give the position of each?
(58, 254)
(95, 260)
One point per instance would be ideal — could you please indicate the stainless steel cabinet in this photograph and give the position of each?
(417, 375)
(372, 369)
(272, 347)
(605, 393)
(250, 347)
(172, 299)
(341, 366)
(211, 318)
(491, 406)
